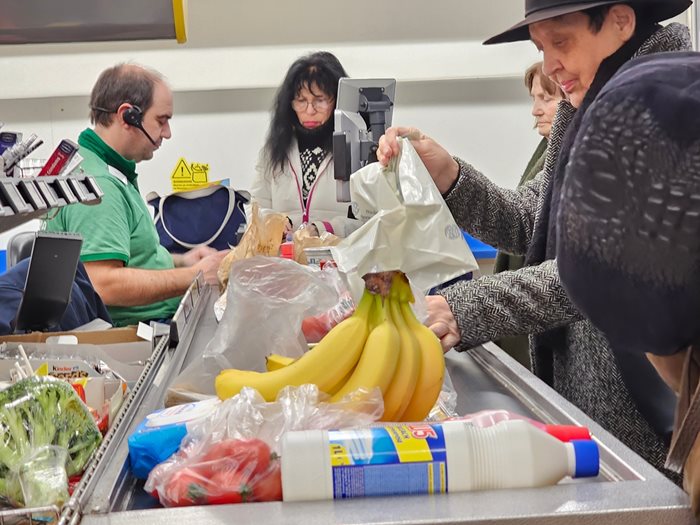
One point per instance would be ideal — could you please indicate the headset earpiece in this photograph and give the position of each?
(133, 116)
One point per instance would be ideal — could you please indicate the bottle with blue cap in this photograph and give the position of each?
(428, 458)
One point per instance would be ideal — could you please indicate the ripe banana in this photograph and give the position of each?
(403, 385)
(432, 369)
(381, 353)
(324, 365)
(276, 361)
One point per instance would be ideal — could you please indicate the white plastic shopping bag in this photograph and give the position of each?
(408, 225)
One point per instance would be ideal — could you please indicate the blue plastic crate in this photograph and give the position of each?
(479, 249)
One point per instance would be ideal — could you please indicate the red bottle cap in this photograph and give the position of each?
(567, 433)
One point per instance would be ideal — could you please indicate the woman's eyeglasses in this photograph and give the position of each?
(319, 104)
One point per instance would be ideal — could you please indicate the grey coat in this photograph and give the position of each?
(532, 300)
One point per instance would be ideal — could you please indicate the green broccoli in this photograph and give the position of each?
(40, 411)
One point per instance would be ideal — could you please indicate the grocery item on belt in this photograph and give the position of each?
(428, 458)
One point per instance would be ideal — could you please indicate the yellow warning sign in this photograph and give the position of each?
(189, 176)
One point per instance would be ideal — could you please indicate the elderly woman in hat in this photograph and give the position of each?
(645, 294)
(583, 44)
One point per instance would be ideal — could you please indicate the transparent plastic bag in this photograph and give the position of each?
(267, 299)
(316, 326)
(446, 404)
(489, 418)
(37, 414)
(42, 476)
(233, 455)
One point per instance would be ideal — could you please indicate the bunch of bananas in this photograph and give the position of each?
(382, 345)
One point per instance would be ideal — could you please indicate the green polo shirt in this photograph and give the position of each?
(120, 228)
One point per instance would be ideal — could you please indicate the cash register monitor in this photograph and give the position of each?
(47, 290)
(363, 110)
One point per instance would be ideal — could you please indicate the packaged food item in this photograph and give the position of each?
(159, 435)
(306, 242)
(287, 250)
(428, 458)
(263, 236)
(318, 256)
(232, 455)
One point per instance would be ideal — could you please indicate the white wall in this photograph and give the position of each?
(476, 119)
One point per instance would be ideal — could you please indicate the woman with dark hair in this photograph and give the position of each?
(295, 170)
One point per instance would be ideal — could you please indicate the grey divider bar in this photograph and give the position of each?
(106, 471)
(111, 457)
(31, 514)
(72, 510)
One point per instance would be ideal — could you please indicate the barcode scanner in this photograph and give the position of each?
(132, 116)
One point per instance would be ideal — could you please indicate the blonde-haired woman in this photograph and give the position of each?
(546, 96)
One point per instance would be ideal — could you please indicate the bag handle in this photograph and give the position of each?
(687, 425)
(194, 195)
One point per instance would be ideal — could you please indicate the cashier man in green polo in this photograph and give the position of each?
(138, 279)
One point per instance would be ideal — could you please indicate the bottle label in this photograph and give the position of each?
(389, 460)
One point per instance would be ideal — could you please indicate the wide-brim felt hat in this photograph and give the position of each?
(539, 10)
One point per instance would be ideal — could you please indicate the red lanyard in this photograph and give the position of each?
(305, 206)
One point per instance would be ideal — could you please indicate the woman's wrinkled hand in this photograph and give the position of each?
(442, 322)
(442, 167)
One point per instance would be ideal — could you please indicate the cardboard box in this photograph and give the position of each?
(120, 349)
(127, 352)
(100, 337)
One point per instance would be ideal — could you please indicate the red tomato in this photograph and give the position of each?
(314, 329)
(185, 487)
(225, 498)
(268, 487)
(251, 455)
(229, 486)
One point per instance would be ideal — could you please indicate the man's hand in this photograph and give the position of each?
(442, 322)
(442, 167)
(118, 285)
(209, 266)
(193, 256)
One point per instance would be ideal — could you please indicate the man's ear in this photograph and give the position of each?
(120, 114)
(624, 20)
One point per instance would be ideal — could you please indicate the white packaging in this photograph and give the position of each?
(317, 255)
(427, 458)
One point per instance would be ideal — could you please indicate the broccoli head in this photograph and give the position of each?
(40, 411)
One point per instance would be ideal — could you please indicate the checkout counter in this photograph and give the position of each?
(628, 490)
